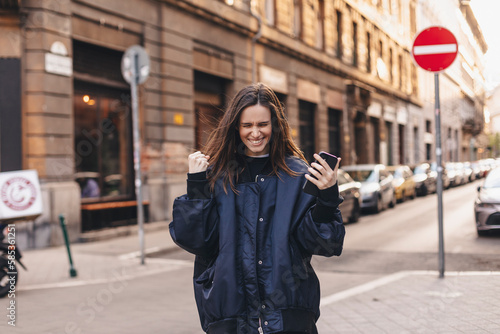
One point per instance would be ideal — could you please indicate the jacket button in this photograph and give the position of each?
(263, 306)
(261, 179)
(261, 219)
(265, 323)
(260, 261)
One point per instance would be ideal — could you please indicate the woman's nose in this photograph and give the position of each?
(255, 131)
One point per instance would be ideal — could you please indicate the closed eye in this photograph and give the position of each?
(248, 125)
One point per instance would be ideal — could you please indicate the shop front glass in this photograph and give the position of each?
(103, 143)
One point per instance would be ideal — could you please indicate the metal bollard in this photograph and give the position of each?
(72, 270)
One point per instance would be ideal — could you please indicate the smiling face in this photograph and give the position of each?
(255, 130)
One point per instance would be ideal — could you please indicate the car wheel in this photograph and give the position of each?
(379, 206)
(424, 191)
(355, 213)
(483, 233)
(392, 204)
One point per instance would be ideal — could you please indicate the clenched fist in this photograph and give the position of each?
(198, 162)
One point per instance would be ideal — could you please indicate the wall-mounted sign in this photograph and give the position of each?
(179, 118)
(334, 99)
(389, 113)
(308, 91)
(20, 195)
(274, 78)
(428, 138)
(375, 110)
(402, 116)
(57, 60)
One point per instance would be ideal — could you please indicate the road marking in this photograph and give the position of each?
(333, 298)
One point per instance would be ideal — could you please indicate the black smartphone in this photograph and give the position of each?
(311, 188)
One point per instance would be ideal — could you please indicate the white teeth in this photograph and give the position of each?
(256, 142)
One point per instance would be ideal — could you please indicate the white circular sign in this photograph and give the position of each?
(135, 53)
(18, 193)
(58, 48)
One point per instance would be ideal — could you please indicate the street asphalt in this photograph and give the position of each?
(156, 297)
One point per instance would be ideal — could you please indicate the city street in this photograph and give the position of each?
(406, 238)
(107, 106)
(158, 297)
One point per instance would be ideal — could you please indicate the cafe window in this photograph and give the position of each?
(103, 142)
(340, 46)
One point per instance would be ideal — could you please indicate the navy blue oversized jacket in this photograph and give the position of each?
(253, 252)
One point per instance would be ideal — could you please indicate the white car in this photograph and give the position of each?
(487, 205)
(377, 189)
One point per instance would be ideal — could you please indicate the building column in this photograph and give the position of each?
(48, 123)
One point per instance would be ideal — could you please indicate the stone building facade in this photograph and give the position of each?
(342, 69)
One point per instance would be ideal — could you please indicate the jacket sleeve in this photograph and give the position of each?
(322, 234)
(195, 224)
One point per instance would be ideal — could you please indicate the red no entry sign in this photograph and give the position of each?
(434, 49)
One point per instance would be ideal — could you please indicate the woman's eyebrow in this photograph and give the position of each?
(263, 122)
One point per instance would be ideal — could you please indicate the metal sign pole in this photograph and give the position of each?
(440, 176)
(137, 152)
(435, 49)
(135, 70)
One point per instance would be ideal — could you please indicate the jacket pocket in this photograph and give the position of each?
(207, 277)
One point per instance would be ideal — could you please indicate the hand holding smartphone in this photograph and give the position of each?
(331, 160)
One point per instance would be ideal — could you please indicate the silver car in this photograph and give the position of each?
(377, 189)
(487, 205)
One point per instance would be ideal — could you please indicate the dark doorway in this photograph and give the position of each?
(10, 115)
(376, 139)
(360, 139)
(209, 95)
(307, 129)
(388, 138)
(334, 126)
(402, 144)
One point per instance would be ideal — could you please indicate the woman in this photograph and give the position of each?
(252, 228)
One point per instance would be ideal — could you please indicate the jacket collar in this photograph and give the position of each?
(244, 170)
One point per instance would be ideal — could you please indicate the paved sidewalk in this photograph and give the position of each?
(404, 302)
(416, 302)
(93, 260)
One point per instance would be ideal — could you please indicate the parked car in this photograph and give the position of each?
(485, 167)
(377, 190)
(454, 174)
(462, 172)
(469, 172)
(403, 182)
(476, 169)
(446, 179)
(490, 164)
(350, 190)
(487, 205)
(425, 179)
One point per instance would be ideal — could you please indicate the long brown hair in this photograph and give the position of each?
(224, 144)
